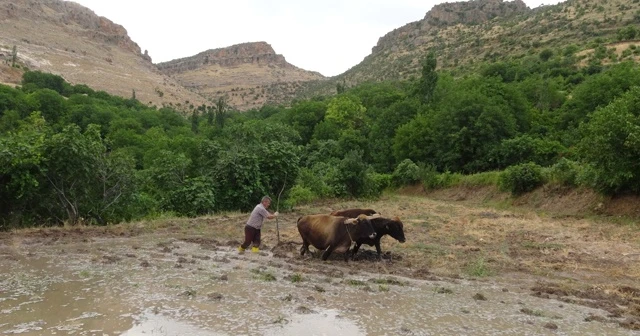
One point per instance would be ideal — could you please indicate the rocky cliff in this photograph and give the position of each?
(70, 40)
(444, 15)
(465, 35)
(248, 74)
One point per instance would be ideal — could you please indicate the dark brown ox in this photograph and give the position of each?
(333, 233)
(353, 213)
(382, 226)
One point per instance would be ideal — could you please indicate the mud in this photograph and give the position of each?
(70, 289)
(463, 270)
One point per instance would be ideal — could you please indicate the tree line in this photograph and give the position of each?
(71, 154)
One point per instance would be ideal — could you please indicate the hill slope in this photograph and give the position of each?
(463, 34)
(249, 74)
(70, 40)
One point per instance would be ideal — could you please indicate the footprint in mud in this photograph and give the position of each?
(304, 310)
(214, 296)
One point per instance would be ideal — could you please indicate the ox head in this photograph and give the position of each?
(395, 229)
(360, 227)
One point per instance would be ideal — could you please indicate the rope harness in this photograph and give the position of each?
(349, 233)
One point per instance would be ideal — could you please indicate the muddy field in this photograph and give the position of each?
(465, 269)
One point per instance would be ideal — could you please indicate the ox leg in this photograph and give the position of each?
(356, 247)
(327, 252)
(304, 248)
(379, 250)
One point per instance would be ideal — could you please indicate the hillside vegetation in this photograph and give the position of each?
(466, 35)
(69, 153)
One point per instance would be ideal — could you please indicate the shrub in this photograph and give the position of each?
(375, 184)
(429, 177)
(406, 173)
(521, 178)
(300, 195)
(564, 172)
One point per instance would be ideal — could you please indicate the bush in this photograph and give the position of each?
(406, 173)
(375, 184)
(300, 195)
(429, 177)
(521, 178)
(564, 172)
(611, 144)
(195, 197)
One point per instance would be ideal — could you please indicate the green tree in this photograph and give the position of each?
(304, 116)
(21, 156)
(611, 144)
(346, 112)
(34, 80)
(72, 160)
(428, 80)
(49, 103)
(221, 111)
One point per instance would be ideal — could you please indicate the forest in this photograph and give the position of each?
(70, 154)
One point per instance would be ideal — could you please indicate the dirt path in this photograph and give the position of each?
(464, 269)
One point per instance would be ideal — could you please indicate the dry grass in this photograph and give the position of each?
(444, 238)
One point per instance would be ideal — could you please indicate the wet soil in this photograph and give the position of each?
(465, 269)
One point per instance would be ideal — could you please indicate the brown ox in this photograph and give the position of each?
(333, 233)
(353, 213)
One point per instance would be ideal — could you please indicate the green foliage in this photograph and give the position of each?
(406, 173)
(346, 112)
(87, 155)
(34, 80)
(521, 178)
(564, 172)
(524, 149)
(611, 144)
(546, 54)
(629, 32)
(352, 171)
(478, 268)
(300, 195)
(599, 91)
(464, 127)
(194, 197)
(428, 80)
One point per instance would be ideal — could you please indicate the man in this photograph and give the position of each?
(254, 224)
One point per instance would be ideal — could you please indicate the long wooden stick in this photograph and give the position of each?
(278, 207)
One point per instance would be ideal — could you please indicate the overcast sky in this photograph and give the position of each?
(328, 36)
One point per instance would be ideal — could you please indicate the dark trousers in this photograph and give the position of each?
(251, 234)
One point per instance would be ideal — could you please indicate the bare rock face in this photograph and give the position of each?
(248, 75)
(67, 39)
(259, 53)
(69, 14)
(472, 12)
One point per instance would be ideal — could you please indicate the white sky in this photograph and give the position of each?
(328, 36)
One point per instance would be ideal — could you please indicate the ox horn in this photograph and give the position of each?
(374, 216)
(350, 220)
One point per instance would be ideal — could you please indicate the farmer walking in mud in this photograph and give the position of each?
(254, 224)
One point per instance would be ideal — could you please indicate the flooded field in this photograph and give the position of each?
(179, 282)
(143, 286)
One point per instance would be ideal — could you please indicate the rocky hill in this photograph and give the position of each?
(249, 74)
(464, 34)
(70, 40)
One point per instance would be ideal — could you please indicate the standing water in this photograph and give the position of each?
(151, 286)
